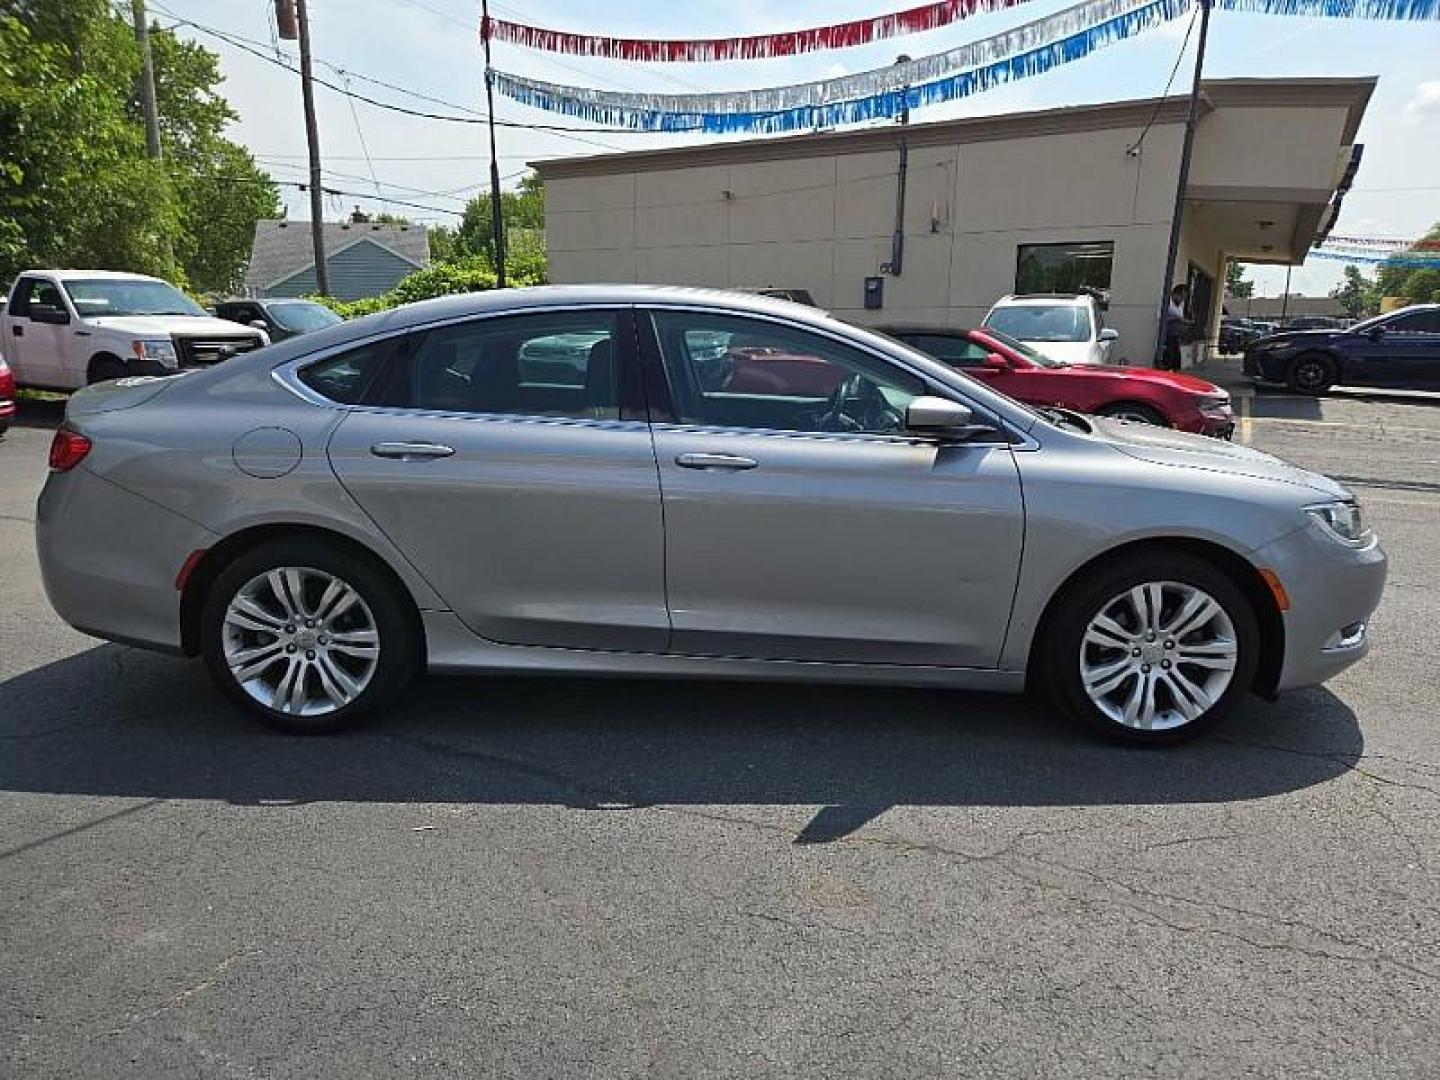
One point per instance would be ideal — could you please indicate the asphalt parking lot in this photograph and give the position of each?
(554, 877)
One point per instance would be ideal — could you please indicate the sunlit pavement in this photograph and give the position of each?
(555, 877)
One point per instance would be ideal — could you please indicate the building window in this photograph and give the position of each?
(1065, 268)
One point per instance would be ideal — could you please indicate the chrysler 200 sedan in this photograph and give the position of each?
(574, 480)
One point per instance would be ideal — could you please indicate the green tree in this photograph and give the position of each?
(523, 211)
(75, 185)
(1415, 284)
(1237, 286)
(1356, 294)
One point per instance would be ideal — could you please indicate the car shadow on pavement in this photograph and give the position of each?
(114, 721)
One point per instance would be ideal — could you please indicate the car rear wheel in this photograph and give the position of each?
(1311, 373)
(1152, 651)
(1133, 411)
(307, 635)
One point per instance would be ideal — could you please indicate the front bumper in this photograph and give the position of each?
(1333, 591)
(108, 559)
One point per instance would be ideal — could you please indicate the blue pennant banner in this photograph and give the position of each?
(1029, 50)
(1405, 260)
(1384, 10)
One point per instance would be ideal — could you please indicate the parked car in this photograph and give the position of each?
(1067, 328)
(64, 329)
(7, 396)
(323, 518)
(1144, 395)
(280, 319)
(1236, 333)
(1400, 349)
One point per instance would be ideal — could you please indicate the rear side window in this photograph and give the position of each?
(544, 364)
(346, 378)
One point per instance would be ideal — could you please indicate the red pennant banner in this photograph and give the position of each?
(758, 46)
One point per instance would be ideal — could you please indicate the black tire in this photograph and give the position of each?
(401, 648)
(1133, 410)
(1311, 373)
(1066, 625)
(105, 367)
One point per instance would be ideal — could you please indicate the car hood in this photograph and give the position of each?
(165, 325)
(1177, 379)
(1314, 336)
(1162, 446)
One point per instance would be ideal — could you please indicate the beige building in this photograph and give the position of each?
(1026, 202)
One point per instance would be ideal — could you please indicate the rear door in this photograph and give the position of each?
(509, 458)
(802, 522)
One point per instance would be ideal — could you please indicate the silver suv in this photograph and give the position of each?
(714, 486)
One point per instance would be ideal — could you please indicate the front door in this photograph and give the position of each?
(38, 350)
(1408, 353)
(803, 523)
(500, 456)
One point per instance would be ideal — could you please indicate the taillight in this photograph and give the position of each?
(67, 450)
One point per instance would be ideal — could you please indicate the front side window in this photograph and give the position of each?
(1042, 322)
(734, 371)
(1417, 322)
(1064, 268)
(546, 364)
(118, 296)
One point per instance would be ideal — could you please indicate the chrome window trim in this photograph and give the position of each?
(286, 375)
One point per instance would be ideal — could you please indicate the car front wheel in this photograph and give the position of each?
(1152, 651)
(307, 635)
(1133, 411)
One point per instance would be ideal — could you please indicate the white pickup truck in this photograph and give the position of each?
(64, 329)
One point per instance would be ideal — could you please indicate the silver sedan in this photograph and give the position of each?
(669, 482)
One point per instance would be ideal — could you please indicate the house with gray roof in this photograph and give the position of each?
(363, 258)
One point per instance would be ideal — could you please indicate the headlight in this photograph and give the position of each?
(162, 351)
(1214, 403)
(1342, 520)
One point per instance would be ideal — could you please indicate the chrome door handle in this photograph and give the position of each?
(724, 462)
(411, 451)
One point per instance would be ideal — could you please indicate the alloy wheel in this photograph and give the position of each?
(300, 641)
(1158, 656)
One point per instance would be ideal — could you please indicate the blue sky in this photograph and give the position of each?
(432, 46)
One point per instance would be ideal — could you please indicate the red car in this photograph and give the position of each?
(7, 396)
(1167, 398)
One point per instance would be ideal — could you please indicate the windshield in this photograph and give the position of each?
(1041, 322)
(302, 316)
(117, 296)
(1035, 356)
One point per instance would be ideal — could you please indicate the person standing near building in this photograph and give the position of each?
(1176, 326)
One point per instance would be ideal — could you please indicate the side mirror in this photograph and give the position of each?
(1376, 332)
(1109, 334)
(259, 324)
(995, 362)
(49, 313)
(941, 416)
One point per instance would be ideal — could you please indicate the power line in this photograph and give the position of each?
(563, 130)
(332, 191)
(1135, 147)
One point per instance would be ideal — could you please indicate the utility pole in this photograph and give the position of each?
(897, 237)
(1285, 299)
(147, 79)
(312, 139)
(497, 213)
(1183, 180)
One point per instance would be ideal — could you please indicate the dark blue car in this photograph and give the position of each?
(1400, 349)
